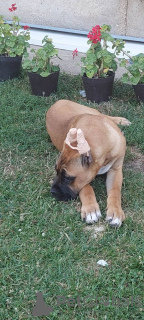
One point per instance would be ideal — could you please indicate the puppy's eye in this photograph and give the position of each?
(69, 179)
(65, 177)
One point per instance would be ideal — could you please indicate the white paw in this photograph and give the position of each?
(93, 217)
(125, 122)
(114, 222)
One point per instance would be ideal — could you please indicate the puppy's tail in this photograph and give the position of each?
(120, 120)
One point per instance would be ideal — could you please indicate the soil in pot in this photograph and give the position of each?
(98, 89)
(139, 91)
(43, 86)
(9, 67)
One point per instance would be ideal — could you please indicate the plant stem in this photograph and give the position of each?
(127, 54)
(47, 61)
(104, 44)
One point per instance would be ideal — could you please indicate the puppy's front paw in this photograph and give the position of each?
(90, 214)
(115, 216)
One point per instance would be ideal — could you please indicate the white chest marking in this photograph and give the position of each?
(105, 168)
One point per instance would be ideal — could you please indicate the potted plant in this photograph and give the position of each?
(99, 64)
(43, 74)
(13, 45)
(135, 73)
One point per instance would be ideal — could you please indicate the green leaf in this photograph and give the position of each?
(114, 66)
(125, 78)
(107, 37)
(99, 54)
(53, 53)
(55, 68)
(26, 64)
(88, 42)
(19, 51)
(105, 27)
(90, 74)
(123, 63)
(45, 73)
(7, 27)
(108, 60)
(26, 55)
(90, 56)
(142, 79)
(135, 80)
(33, 50)
(10, 44)
(89, 67)
(12, 54)
(35, 69)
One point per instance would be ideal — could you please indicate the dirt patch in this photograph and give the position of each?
(137, 163)
(96, 231)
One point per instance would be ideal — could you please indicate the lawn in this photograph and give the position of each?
(45, 246)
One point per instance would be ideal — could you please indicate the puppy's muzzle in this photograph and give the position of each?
(62, 192)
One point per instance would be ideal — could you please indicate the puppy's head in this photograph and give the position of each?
(73, 166)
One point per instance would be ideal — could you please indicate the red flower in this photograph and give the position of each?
(26, 27)
(13, 7)
(95, 34)
(75, 53)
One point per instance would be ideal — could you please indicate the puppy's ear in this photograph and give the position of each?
(77, 135)
(86, 159)
(71, 137)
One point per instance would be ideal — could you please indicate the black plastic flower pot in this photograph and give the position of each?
(9, 67)
(139, 91)
(98, 89)
(43, 86)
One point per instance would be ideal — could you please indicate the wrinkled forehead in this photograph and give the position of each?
(67, 164)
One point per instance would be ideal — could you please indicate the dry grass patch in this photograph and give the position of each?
(137, 162)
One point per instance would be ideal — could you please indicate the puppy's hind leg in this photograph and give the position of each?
(120, 120)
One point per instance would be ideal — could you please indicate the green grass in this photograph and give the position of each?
(45, 246)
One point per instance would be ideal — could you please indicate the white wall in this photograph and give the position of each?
(125, 16)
